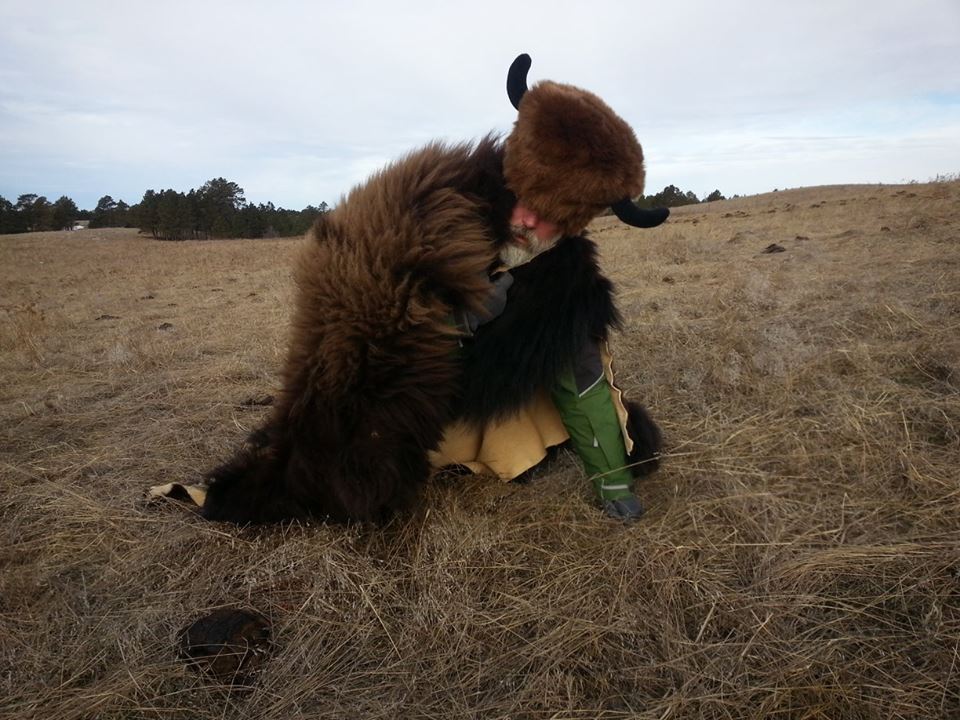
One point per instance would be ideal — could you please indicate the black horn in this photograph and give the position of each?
(517, 79)
(639, 217)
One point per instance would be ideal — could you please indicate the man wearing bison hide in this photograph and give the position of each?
(451, 310)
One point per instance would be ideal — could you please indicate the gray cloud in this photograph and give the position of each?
(297, 103)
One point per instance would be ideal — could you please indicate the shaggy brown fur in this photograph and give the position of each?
(372, 374)
(570, 156)
(375, 370)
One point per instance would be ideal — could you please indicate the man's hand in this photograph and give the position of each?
(493, 306)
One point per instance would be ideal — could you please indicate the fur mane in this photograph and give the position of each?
(372, 374)
(558, 301)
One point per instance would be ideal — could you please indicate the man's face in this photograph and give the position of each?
(532, 235)
(525, 222)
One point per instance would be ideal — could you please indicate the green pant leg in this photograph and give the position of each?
(594, 428)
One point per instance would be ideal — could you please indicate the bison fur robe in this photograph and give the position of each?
(376, 369)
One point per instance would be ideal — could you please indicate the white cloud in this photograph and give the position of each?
(297, 102)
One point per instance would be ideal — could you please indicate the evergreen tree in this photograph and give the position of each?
(104, 212)
(250, 222)
(121, 215)
(308, 216)
(147, 215)
(218, 202)
(64, 213)
(190, 215)
(11, 220)
(35, 211)
(173, 216)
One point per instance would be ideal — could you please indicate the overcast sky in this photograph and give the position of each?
(297, 102)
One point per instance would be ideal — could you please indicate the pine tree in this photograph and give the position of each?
(64, 213)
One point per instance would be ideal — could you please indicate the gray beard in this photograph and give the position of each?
(513, 255)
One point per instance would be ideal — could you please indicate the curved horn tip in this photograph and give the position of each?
(522, 62)
(639, 217)
(517, 79)
(662, 213)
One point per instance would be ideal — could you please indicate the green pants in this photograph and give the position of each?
(591, 420)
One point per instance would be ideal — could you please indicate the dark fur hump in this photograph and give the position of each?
(372, 375)
(559, 301)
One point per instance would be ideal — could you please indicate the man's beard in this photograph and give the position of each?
(513, 254)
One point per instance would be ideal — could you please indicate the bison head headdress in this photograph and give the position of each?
(570, 157)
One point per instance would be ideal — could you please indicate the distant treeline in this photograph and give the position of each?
(35, 212)
(672, 196)
(216, 210)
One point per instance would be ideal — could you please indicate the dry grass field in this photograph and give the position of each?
(800, 556)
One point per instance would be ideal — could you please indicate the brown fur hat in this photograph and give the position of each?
(570, 157)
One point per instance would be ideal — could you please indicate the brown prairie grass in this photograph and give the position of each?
(800, 557)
